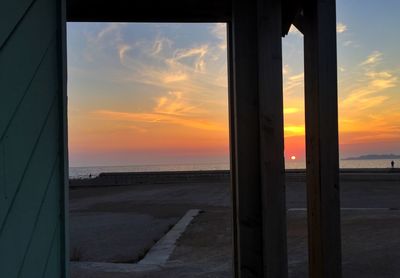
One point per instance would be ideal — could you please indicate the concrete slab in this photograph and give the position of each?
(370, 223)
(115, 237)
(162, 250)
(154, 260)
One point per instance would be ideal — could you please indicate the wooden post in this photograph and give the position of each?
(272, 162)
(232, 145)
(63, 130)
(257, 128)
(244, 47)
(322, 139)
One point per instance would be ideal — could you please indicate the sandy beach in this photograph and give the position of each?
(117, 218)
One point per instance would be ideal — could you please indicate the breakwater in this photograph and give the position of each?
(218, 176)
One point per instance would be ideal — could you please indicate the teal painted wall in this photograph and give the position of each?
(32, 139)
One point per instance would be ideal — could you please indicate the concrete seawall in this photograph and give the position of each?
(137, 178)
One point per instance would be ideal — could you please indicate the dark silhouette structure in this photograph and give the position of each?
(33, 127)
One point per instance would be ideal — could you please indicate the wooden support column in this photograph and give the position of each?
(321, 109)
(272, 162)
(63, 130)
(257, 143)
(244, 47)
(232, 147)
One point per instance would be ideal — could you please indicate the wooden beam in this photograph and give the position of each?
(322, 138)
(63, 130)
(272, 164)
(232, 144)
(290, 10)
(298, 21)
(243, 42)
(149, 11)
(255, 41)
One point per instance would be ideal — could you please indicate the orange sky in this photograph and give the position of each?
(157, 93)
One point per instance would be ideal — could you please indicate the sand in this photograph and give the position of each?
(119, 223)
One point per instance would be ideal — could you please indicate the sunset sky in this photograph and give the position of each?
(157, 93)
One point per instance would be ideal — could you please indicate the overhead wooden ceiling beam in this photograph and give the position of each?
(148, 10)
(298, 21)
(168, 11)
(291, 14)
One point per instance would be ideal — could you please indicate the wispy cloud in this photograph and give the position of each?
(369, 93)
(294, 130)
(98, 42)
(175, 104)
(347, 43)
(172, 108)
(199, 68)
(293, 82)
(362, 118)
(174, 77)
(109, 29)
(159, 44)
(153, 118)
(122, 49)
(374, 58)
(381, 126)
(350, 43)
(285, 69)
(291, 110)
(341, 27)
(219, 31)
(197, 53)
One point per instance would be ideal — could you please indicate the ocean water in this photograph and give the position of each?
(85, 172)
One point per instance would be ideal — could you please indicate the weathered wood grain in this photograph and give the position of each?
(322, 138)
(272, 164)
(246, 139)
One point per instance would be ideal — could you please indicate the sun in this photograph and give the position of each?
(293, 157)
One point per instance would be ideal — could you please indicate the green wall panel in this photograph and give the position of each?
(13, 13)
(21, 218)
(53, 268)
(21, 56)
(24, 129)
(33, 159)
(40, 240)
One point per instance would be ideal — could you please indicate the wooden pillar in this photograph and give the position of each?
(271, 124)
(232, 135)
(246, 139)
(257, 131)
(63, 131)
(322, 138)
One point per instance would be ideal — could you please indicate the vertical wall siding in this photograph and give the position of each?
(31, 161)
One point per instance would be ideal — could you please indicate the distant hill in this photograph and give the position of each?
(374, 156)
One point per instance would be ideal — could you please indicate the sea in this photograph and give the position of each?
(93, 171)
